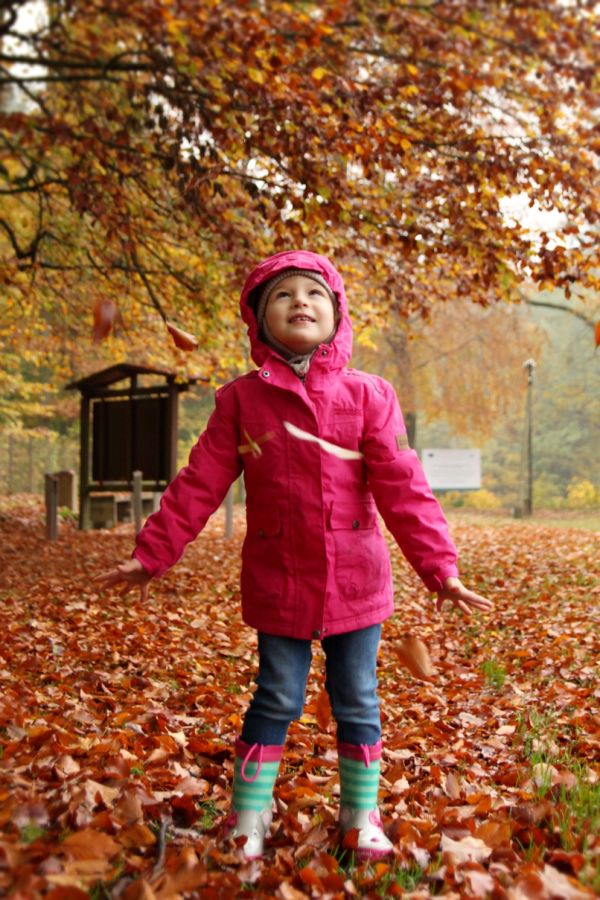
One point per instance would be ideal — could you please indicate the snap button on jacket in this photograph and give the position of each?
(314, 560)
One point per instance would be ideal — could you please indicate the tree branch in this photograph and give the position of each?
(562, 308)
(148, 286)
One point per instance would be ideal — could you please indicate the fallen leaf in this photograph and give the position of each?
(89, 844)
(467, 849)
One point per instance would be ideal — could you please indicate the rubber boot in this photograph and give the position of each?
(255, 771)
(360, 822)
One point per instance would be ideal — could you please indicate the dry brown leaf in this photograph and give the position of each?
(414, 655)
(467, 849)
(323, 710)
(89, 844)
(182, 339)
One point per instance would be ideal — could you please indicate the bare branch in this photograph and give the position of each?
(148, 286)
(568, 309)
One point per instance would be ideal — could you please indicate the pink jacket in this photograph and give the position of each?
(314, 560)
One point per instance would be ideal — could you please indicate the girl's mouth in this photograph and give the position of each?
(295, 319)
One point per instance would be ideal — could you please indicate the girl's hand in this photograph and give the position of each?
(462, 598)
(130, 574)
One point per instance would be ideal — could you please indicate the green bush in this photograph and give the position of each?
(547, 494)
(452, 499)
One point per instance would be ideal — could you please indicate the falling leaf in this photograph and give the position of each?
(327, 446)
(106, 313)
(413, 654)
(182, 339)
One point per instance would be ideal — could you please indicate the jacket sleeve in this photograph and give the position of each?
(195, 493)
(402, 494)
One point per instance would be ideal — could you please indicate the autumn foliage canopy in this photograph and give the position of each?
(156, 149)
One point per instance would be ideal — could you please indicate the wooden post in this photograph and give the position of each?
(229, 513)
(137, 500)
(84, 464)
(66, 488)
(51, 495)
(172, 429)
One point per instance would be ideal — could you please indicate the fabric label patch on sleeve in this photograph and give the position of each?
(402, 442)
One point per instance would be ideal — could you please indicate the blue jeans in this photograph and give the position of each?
(351, 683)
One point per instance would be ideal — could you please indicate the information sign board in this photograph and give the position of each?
(452, 470)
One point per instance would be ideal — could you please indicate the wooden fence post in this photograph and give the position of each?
(51, 496)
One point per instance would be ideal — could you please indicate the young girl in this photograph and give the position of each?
(323, 448)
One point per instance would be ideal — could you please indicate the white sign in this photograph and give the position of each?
(452, 470)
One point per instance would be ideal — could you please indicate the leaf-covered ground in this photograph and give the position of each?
(117, 724)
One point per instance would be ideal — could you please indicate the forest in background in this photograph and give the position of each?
(150, 153)
(455, 407)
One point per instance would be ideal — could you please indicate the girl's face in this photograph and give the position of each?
(299, 313)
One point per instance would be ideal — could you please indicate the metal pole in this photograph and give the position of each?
(528, 505)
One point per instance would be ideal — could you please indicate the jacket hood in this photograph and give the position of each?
(341, 345)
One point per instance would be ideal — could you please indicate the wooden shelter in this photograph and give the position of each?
(126, 429)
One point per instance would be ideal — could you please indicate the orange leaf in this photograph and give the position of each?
(323, 710)
(350, 839)
(138, 835)
(597, 335)
(182, 339)
(413, 654)
(91, 844)
(106, 313)
(310, 877)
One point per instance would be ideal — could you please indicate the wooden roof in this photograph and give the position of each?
(120, 371)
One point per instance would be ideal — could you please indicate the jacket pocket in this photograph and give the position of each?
(263, 523)
(361, 561)
(262, 556)
(354, 516)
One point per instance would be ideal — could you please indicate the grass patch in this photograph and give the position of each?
(576, 804)
(209, 815)
(494, 674)
(30, 833)
(407, 879)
